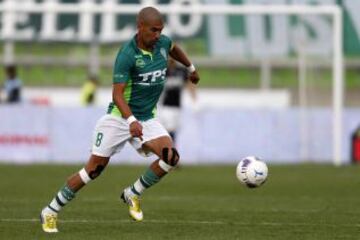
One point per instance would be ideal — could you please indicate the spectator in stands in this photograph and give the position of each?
(176, 81)
(12, 85)
(88, 92)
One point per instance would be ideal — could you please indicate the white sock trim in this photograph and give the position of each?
(62, 199)
(54, 204)
(84, 176)
(164, 166)
(139, 187)
(48, 210)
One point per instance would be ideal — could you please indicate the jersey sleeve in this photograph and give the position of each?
(122, 68)
(167, 42)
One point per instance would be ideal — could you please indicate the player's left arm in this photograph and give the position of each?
(180, 56)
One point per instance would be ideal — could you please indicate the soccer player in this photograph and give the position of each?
(169, 111)
(138, 80)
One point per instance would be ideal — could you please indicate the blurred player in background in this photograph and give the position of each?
(88, 91)
(12, 85)
(177, 79)
(138, 80)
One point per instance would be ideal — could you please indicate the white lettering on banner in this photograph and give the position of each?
(312, 32)
(86, 20)
(49, 29)
(353, 6)
(21, 19)
(277, 44)
(181, 29)
(108, 31)
(8, 21)
(221, 42)
(321, 43)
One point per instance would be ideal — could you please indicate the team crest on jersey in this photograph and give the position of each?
(140, 63)
(163, 53)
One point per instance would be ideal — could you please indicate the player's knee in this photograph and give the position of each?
(94, 173)
(170, 156)
(87, 176)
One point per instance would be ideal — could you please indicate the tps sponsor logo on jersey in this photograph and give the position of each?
(152, 77)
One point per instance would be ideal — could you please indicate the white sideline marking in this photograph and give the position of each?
(110, 221)
(181, 222)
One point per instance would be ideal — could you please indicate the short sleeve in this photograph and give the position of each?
(167, 42)
(122, 68)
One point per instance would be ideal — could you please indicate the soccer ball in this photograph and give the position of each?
(252, 172)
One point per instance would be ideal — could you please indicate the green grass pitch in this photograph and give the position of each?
(202, 202)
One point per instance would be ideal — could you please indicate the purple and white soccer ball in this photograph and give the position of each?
(252, 172)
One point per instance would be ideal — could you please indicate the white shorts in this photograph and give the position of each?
(169, 117)
(112, 132)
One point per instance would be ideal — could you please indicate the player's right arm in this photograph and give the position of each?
(121, 104)
(121, 76)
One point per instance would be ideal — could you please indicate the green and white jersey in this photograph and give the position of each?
(144, 72)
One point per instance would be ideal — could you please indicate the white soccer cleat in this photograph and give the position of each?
(133, 202)
(48, 222)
